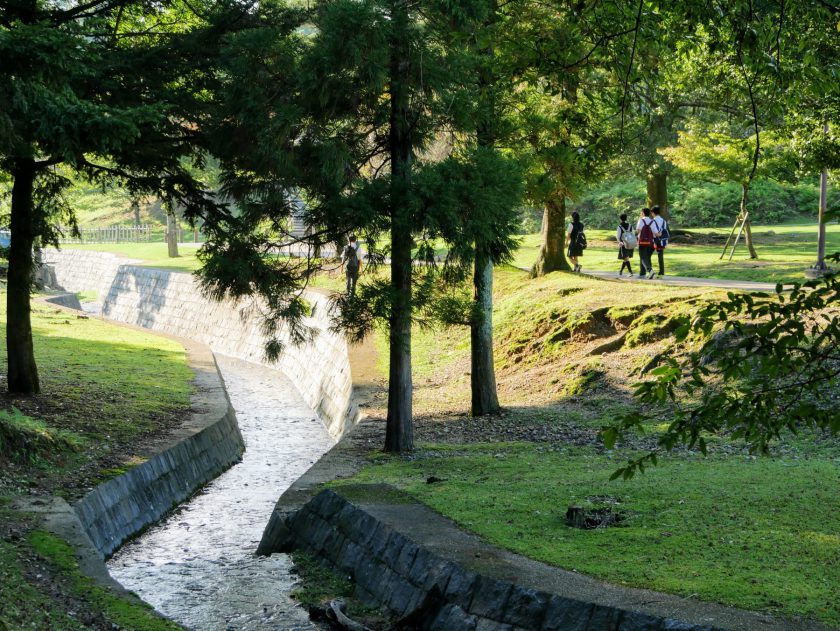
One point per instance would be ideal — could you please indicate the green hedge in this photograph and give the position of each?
(696, 204)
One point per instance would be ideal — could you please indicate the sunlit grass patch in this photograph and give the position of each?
(784, 251)
(26, 439)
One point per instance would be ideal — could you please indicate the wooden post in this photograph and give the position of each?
(738, 238)
(731, 234)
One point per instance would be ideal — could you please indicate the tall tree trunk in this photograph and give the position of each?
(135, 207)
(399, 430)
(485, 399)
(23, 372)
(657, 192)
(171, 230)
(552, 256)
(820, 264)
(745, 190)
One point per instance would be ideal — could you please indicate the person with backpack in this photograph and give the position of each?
(576, 239)
(351, 260)
(660, 240)
(645, 228)
(626, 244)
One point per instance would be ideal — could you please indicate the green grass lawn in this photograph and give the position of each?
(755, 533)
(151, 254)
(111, 382)
(784, 253)
(710, 528)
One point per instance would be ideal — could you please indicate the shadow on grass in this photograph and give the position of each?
(104, 381)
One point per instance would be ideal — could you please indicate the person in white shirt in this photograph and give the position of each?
(660, 240)
(645, 228)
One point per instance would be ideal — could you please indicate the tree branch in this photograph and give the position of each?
(630, 67)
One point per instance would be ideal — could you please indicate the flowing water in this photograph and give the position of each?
(198, 566)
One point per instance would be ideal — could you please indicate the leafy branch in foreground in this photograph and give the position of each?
(767, 364)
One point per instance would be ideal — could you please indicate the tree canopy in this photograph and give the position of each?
(416, 124)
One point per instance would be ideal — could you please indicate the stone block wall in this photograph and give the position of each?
(120, 508)
(173, 303)
(82, 270)
(389, 569)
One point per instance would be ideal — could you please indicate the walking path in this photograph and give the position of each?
(687, 281)
(198, 565)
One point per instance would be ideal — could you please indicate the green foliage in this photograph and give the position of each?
(768, 368)
(700, 204)
(320, 584)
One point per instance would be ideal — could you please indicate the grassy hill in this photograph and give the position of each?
(569, 351)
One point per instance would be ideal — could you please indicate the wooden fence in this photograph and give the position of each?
(110, 234)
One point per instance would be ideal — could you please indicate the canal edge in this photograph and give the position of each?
(202, 447)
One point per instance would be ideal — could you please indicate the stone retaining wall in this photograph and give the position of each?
(173, 303)
(117, 510)
(201, 448)
(71, 301)
(388, 568)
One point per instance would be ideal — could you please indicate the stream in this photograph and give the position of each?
(197, 566)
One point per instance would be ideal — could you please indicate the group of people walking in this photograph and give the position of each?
(650, 235)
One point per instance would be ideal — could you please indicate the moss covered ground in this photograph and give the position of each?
(106, 390)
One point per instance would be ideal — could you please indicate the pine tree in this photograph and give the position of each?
(91, 89)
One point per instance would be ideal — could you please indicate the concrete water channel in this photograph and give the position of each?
(197, 566)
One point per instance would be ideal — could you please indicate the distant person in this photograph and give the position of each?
(351, 259)
(645, 232)
(660, 238)
(576, 239)
(626, 244)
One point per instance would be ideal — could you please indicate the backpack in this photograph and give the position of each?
(351, 256)
(581, 240)
(628, 239)
(662, 240)
(646, 233)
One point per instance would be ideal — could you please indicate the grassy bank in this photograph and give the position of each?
(569, 350)
(149, 254)
(106, 390)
